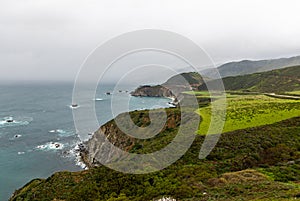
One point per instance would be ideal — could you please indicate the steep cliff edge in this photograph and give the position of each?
(97, 147)
(152, 91)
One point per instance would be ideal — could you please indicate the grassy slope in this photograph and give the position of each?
(248, 66)
(177, 83)
(225, 174)
(265, 149)
(281, 80)
(192, 78)
(250, 111)
(296, 93)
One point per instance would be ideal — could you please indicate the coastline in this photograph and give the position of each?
(81, 151)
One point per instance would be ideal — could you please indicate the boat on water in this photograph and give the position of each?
(74, 105)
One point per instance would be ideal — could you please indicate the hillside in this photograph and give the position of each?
(248, 66)
(261, 161)
(172, 87)
(256, 158)
(280, 80)
(271, 152)
(193, 79)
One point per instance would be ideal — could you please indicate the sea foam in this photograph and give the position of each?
(62, 133)
(50, 146)
(19, 121)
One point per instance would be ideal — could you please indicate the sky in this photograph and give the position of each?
(50, 39)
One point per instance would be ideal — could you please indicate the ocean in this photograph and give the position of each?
(41, 138)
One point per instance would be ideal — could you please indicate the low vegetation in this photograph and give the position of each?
(259, 163)
(277, 81)
(293, 93)
(245, 111)
(256, 158)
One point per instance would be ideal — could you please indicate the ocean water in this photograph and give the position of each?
(42, 136)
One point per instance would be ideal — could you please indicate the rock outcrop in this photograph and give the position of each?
(98, 147)
(172, 87)
(152, 91)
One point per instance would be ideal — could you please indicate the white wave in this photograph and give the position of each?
(171, 104)
(21, 152)
(50, 146)
(62, 133)
(156, 107)
(75, 152)
(10, 121)
(98, 99)
(81, 164)
(15, 137)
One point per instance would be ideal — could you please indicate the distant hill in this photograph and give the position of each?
(280, 80)
(193, 78)
(247, 66)
(172, 87)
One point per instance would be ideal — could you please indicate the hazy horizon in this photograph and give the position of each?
(49, 40)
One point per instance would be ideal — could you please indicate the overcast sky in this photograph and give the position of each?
(49, 39)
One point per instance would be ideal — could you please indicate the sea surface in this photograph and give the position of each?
(42, 137)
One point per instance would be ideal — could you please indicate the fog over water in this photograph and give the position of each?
(49, 39)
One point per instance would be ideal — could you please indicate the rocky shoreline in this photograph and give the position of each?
(97, 147)
(172, 89)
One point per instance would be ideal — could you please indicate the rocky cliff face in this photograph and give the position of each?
(172, 87)
(160, 91)
(152, 91)
(98, 148)
(106, 143)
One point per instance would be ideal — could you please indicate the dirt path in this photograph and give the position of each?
(282, 96)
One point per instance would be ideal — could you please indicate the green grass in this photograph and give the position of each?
(251, 111)
(197, 93)
(283, 173)
(206, 94)
(230, 172)
(297, 93)
(246, 164)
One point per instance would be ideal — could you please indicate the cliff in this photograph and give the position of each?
(172, 87)
(97, 148)
(270, 150)
(223, 176)
(152, 91)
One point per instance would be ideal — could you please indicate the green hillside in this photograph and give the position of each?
(249, 66)
(280, 80)
(192, 78)
(254, 163)
(248, 111)
(172, 87)
(259, 162)
(256, 158)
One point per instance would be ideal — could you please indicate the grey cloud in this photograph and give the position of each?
(49, 39)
